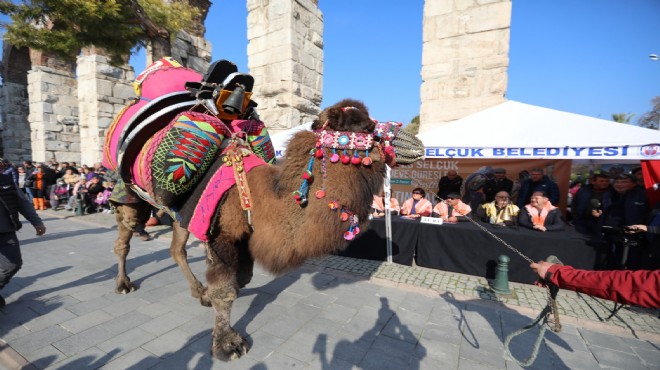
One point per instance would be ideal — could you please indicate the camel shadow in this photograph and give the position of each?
(481, 326)
(393, 345)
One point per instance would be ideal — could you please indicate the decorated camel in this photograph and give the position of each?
(244, 208)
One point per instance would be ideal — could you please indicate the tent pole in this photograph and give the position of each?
(388, 213)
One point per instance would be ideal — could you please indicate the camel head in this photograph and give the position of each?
(347, 125)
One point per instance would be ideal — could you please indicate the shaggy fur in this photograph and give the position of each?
(283, 234)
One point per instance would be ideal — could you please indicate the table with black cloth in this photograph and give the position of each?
(371, 244)
(464, 248)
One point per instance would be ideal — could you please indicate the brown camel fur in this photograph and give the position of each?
(283, 234)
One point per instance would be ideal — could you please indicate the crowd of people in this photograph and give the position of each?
(611, 209)
(63, 185)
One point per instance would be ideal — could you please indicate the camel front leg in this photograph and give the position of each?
(127, 217)
(221, 275)
(180, 256)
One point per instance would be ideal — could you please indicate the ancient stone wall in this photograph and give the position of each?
(103, 91)
(465, 57)
(285, 56)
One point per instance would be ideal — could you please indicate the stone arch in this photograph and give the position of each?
(14, 125)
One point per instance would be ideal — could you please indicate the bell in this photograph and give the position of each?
(234, 102)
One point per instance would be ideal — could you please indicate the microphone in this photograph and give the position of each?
(595, 204)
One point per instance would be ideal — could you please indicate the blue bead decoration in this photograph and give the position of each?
(343, 140)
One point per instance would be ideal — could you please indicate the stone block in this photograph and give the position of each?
(489, 17)
(53, 145)
(435, 8)
(104, 87)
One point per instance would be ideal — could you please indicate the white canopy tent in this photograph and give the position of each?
(514, 130)
(281, 139)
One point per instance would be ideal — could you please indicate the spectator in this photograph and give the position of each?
(640, 288)
(638, 175)
(588, 199)
(540, 214)
(59, 194)
(452, 209)
(451, 183)
(417, 206)
(13, 203)
(38, 186)
(70, 178)
(541, 182)
(29, 168)
(93, 190)
(9, 169)
(103, 199)
(474, 192)
(21, 179)
(625, 204)
(78, 196)
(515, 191)
(498, 183)
(500, 212)
(379, 206)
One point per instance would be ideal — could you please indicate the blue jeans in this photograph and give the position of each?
(10, 257)
(28, 193)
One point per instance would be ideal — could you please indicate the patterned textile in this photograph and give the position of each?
(160, 79)
(258, 137)
(184, 150)
(221, 181)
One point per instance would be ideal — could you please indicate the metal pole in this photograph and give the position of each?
(388, 213)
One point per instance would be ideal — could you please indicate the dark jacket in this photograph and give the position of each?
(581, 208)
(528, 187)
(553, 221)
(17, 203)
(494, 186)
(446, 186)
(630, 208)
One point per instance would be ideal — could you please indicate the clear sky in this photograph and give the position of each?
(588, 57)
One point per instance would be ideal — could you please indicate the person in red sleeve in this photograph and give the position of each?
(640, 287)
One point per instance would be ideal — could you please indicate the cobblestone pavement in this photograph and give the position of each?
(332, 313)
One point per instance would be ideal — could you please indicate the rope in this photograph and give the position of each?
(549, 309)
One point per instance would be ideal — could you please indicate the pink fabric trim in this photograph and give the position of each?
(222, 180)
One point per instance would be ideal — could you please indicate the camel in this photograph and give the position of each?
(310, 206)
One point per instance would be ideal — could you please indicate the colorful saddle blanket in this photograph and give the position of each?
(164, 151)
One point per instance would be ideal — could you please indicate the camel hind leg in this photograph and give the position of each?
(128, 216)
(180, 256)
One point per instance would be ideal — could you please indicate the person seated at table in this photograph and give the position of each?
(379, 206)
(500, 212)
(452, 209)
(540, 214)
(417, 206)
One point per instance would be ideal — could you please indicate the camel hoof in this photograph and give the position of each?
(124, 288)
(229, 347)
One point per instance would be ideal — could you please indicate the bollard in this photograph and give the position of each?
(501, 284)
(79, 207)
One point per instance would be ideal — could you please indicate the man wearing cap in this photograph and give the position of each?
(540, 214)
(13, 202)
(452, 209)
(498, 183)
